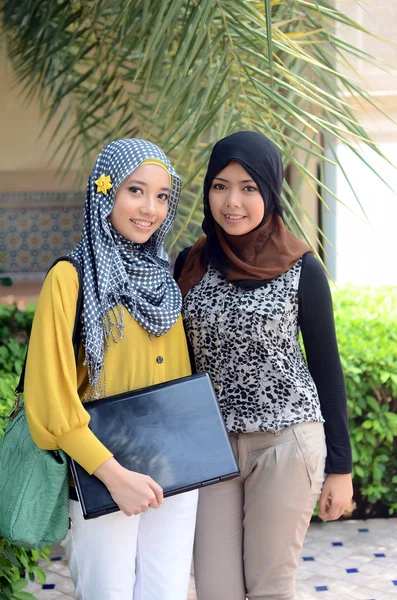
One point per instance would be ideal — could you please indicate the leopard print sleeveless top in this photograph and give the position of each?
(248, 343)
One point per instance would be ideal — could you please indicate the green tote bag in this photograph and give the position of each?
(34, 483)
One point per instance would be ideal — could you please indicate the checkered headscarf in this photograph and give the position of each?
(118, 273)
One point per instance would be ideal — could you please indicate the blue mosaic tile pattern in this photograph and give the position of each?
(37, 228)
(349, 560)
(337, 563)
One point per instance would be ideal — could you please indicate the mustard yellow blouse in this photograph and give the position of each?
(54, 387)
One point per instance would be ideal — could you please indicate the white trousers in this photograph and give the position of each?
(143, 557)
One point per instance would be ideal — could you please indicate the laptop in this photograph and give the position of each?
(172, 431)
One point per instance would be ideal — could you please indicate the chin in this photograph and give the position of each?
(237, 234)
(141, 239)
(235, 231)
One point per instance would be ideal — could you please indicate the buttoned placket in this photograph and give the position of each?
(157, 354)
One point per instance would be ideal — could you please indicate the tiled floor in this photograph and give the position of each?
(351, 560)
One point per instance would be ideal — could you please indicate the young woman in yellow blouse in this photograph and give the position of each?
(132, 337)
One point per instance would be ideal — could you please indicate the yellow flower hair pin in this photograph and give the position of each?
(103, 184)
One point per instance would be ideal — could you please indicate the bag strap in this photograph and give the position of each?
(77, 322)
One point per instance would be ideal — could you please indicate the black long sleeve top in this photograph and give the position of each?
(316, 322)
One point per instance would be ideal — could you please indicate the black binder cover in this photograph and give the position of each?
(173, 432)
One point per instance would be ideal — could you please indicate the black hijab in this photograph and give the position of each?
(269, 250)
(260, 157)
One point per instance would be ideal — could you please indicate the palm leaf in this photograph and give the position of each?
(186, 73)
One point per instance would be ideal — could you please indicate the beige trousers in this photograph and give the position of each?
(250, 530)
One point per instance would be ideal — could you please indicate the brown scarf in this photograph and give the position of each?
(261, 254)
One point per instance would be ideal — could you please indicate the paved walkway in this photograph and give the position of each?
(340, 561)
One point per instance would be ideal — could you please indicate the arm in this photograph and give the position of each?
(316, 321)
(55, 413)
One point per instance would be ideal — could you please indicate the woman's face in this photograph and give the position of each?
(141, 203)
(235, 201)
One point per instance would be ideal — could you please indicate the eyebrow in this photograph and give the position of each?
(129, 181)
(242, 181)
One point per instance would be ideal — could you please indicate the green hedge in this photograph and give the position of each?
(366, 322)
(16, 564)
(15, 326)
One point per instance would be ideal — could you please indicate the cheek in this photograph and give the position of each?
(257, 209)
(122, 209)
(119, 205)
(162, 211)
(214, 203)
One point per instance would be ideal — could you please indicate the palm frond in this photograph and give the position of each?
(186, 73)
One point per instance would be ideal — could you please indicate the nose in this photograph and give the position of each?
(233, 198)
(149, 206)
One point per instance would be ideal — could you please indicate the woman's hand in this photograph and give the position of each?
(336, 496)
(133, 493)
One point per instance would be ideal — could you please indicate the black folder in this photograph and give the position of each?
(173, 432)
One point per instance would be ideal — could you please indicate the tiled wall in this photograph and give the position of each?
(36, 228)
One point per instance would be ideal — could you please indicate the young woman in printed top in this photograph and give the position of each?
(131, 317)
(249, 286)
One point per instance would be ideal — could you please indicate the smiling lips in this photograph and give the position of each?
(235, 218)
(142, 224)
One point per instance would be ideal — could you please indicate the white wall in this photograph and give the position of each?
(366, 250)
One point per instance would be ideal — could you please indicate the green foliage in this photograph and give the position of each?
(14, 330)
(366, 321)
(15, 563)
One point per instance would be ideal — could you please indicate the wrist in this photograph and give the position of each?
(109, 472)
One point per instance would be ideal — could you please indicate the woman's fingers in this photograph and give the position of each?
(323, 503)
(132, 492)
(336, 496)
(158, 491)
